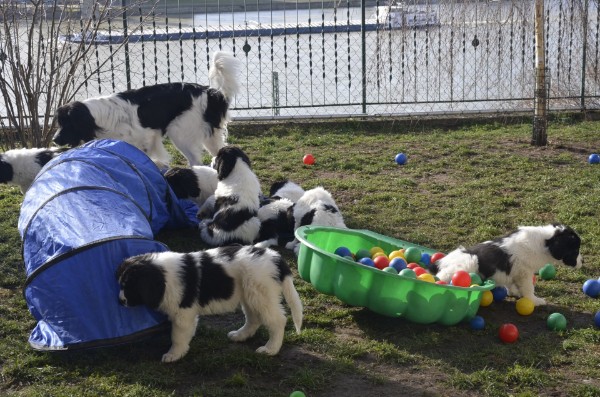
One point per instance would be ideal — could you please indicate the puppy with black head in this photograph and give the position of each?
(512, 260)
(236, 201)
(196, 183)
(219, 280)
(20, 166)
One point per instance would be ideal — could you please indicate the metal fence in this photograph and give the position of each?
(316, 59)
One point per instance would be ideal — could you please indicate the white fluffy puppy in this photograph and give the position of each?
(20, 166)
(512, 260)
(219, 280)
(196, 183)
(236, 201)
(276, 214)
(315, 207)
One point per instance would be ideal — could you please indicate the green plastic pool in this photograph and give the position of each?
(384, 293)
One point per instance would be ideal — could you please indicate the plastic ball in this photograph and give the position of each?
(425, 259)
(597, 319)
(396, 254)
(486, 298)
(548, 272)
(461, 279)
(412, 254)
(375, 255)
(343, 251)
(297, 393)
(556, 322)
(477, 323)
(419, 270)
(525, 306)
(373, 250)
(308, 159)
(426, 277)
(441, 282)
(408, 273)
(594, 158)
(398, 264)
(362, 253)
(349, 257)
(381, 262)
(499, 293)
(367, 262)
(400, 159)
(391, 270)
(591, 288)
(508, 333)
(476, 279)
(436, 257)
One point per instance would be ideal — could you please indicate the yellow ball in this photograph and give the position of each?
(525, 306)
(396, 254)
(375, 249)
(486, 298)
(376, 254)
(427, 277)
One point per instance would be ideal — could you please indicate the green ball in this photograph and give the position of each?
(408, 273)
(362, 253)
(548, 272)
(412, 255)
(297, 393)
(475, 279)
(557, 322)
(390, 269)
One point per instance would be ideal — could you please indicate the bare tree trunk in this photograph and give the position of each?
(540, 118)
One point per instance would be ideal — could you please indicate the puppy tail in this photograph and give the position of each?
(223, 74)
(293, 300)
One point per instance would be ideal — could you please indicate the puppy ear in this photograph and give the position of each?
(144, 284)
(564, 245)
(6, 171)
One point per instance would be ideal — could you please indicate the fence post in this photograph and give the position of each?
(584, 56)
(363, 21)
(275, 93)
(540, 121)
(126, 48)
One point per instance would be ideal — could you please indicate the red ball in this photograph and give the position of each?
(308, 159)
(381, 262)
(419, 270)
(436, 257)
(412, 265)
(461, 279)
(508, 333)
(441, 282)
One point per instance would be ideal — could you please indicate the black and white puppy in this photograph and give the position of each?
(20, 166)
(236, 201)
(315, 207)
(276, 214)
(193, 116)
(512, 260)
(196, 183)
(219, 280)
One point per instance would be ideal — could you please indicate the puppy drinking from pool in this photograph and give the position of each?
(219, 280)
(512, 260)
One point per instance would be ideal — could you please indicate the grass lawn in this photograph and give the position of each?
(460, 186)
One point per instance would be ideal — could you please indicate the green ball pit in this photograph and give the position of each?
(384, 293)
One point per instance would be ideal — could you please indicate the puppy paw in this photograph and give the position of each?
(539, 301)
(172, 356)
(267, 351)
(237, 336)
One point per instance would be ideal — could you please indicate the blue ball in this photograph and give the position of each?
(401, 158)
(343, 251)
(367, 262)
(499, 293)
(591, 288)
(477, 323)
(594, 158)
(597, 319)
(425, 259)
(398, 264)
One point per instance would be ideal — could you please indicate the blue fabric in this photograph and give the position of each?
(87, 210)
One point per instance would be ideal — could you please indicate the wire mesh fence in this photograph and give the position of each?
(327, 59)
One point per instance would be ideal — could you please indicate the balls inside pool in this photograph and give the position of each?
(477, 323)
(499, 293)
(597, 319)
(556, 322)
(400, 159)
(486, 298)
(426, 277)
(381, 262)
(343, 251)
(390, 269)
(425, 259)
(396, 254)
(508, 333)
(308, 159)
(436, 257)
(594, 158)
(591, 288)
(408, 273)
(475, 278)
(412, 254)
(376, 249)
(419, 270)
(398, 263)
(525, 306)
(362, 253)
(547, 272)
(367, 262)
(461, 279)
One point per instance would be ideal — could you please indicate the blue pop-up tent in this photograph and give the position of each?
(86, 211)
